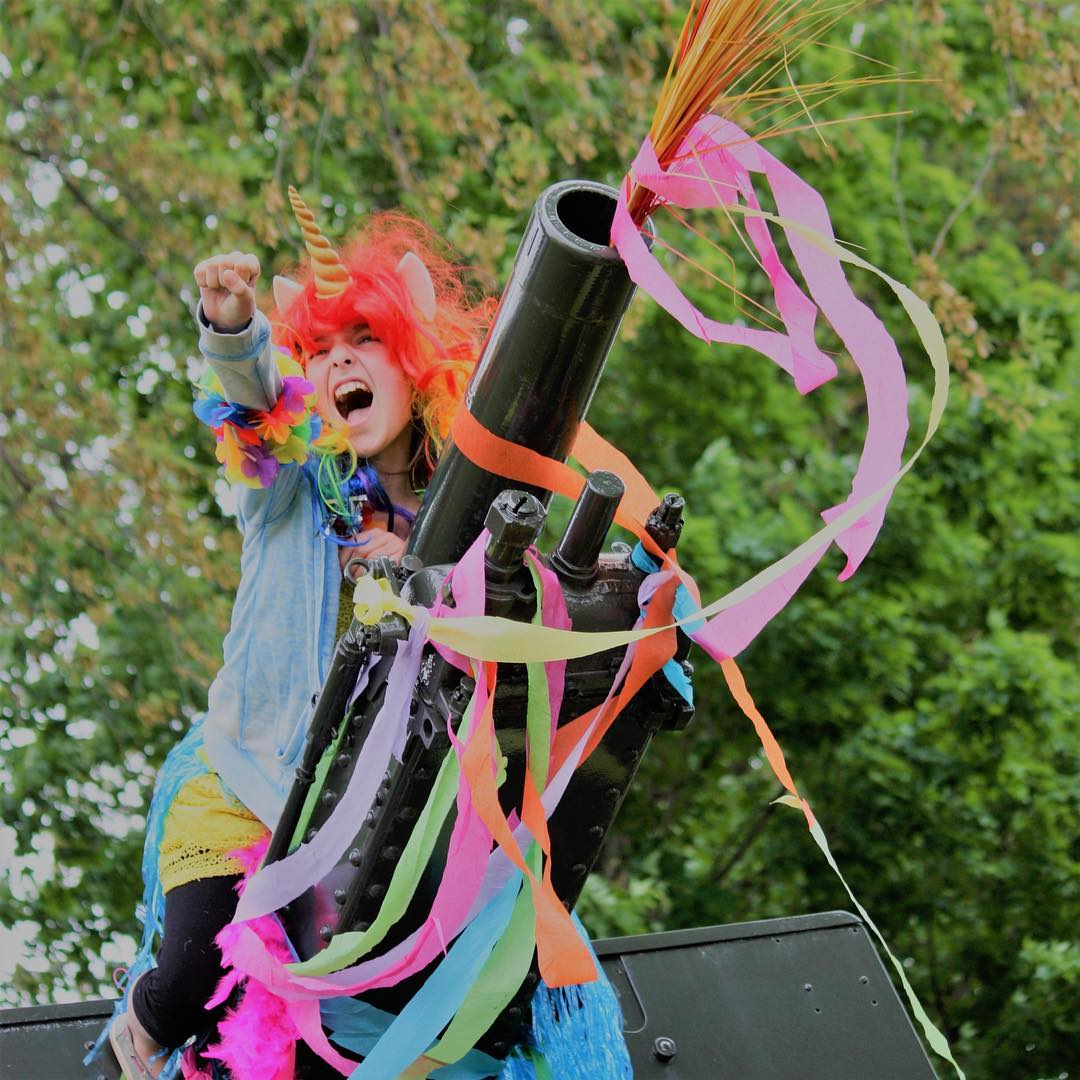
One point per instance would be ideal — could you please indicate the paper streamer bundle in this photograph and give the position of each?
(495, 904)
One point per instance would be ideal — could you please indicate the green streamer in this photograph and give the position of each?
(538, 718)
(316, 786)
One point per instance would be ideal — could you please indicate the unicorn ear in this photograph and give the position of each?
(285, 292)
(418, 281)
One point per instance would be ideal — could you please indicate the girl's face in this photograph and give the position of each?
(359, 386)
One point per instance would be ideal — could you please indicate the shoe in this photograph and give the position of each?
(120, 1039)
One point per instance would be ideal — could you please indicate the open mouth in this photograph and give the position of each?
(352, 396)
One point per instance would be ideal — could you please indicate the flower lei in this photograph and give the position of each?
(252, 444)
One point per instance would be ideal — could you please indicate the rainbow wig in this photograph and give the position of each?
(437, 357)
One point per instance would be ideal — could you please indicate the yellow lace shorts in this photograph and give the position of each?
(202, 826)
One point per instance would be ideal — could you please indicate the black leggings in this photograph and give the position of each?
(170, 999)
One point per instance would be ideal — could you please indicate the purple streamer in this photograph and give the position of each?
(276, 885)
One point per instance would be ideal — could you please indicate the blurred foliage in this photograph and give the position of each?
(927, 707)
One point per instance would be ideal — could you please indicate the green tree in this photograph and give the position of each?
(925, 706)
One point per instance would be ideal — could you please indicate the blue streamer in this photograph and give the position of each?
(358, 1026)
(436, 1002)
(683, 607)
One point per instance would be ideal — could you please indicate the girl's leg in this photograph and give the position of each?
(169, 1000)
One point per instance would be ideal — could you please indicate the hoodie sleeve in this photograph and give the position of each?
(243, 362)
(256, 401)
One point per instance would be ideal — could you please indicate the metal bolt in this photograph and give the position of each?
(514, 521)
(664, 1047)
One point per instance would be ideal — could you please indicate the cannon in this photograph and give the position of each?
(532, 386)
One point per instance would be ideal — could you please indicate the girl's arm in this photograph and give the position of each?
(254, 399)
(233, 334)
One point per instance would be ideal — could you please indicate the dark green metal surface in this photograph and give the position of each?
(803, 998)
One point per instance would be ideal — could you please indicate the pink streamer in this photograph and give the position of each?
(470, 845)
(798, 355)
(305, 1015)
(466, 581)
(862, 332)
(713, 168)
(553, 612)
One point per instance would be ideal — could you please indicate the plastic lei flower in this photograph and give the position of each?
(252, 444)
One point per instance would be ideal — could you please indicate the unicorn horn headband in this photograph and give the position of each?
(331, 277)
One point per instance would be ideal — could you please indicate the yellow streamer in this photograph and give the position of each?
(373, 598)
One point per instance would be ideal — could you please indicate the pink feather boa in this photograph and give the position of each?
(258, 1037)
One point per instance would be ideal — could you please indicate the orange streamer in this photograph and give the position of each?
(737, 685)
(517, 462)
(651, 655)
(563, 957)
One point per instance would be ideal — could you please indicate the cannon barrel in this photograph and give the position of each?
(532, 386)
(542, 360)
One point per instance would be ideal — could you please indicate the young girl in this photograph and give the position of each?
(328, 417)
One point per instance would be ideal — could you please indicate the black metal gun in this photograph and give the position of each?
(537, 374)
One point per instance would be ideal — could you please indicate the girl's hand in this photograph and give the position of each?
(375, 542)
(226, 284)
